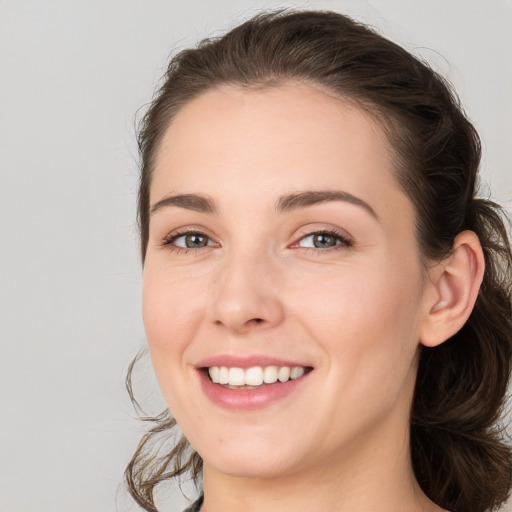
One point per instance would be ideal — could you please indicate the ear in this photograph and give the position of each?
(455, 283)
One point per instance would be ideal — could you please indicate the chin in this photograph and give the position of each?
(262, 468)
(252, 459)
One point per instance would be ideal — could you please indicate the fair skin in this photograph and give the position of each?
(331, 282)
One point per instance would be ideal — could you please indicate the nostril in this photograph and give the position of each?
(252, 321)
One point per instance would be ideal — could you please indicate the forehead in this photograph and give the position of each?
(274, 139)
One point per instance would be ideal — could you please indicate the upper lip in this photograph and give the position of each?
(232, 361)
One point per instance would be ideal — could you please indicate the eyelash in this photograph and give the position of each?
(169, 240)
(344, 241)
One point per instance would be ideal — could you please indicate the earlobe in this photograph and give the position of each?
(455, 282)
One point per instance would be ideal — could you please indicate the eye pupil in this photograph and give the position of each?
(322, 241)
(195, 240)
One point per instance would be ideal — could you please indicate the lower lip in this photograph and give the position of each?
(248, 399)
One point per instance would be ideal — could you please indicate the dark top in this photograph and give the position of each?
(196, 506)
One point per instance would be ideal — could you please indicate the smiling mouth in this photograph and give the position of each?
(254, 377)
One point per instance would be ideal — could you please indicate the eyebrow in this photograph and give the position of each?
(310, 198)
(196, 202)
(204, 204)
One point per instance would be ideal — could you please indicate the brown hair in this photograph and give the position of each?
(459, 455)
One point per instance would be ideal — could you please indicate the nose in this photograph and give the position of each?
(247, 295)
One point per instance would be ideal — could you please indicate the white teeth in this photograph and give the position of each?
(236, 377)
(270, 374)
(223, 375)
(296, 372)
(283, 374)
(214, 374)
(255, 376)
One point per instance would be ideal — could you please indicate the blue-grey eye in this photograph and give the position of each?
(192, 241)
(319, 241)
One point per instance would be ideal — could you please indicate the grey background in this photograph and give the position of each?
(72, 75)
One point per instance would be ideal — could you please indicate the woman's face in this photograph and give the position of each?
(279, 238)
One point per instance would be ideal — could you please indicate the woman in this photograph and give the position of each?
(326, 300)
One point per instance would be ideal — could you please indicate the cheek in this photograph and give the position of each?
(172, 312)
(365, 317)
